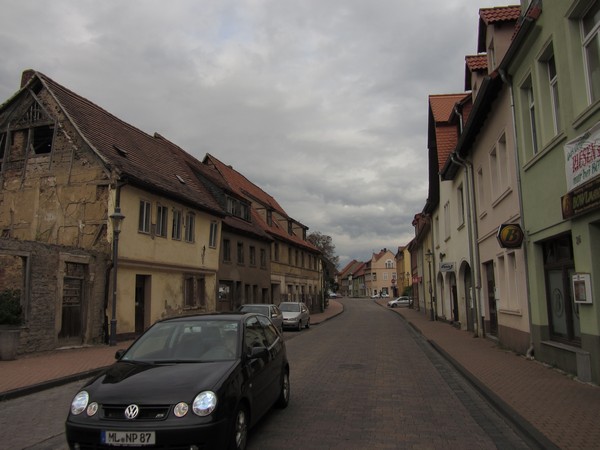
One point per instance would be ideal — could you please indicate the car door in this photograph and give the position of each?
(276, 355)
(304, 313)
(258, 368)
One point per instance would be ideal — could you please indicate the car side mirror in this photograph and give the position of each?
(119, 353)
(258, 352)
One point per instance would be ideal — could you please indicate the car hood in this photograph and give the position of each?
(290, 314)
(160, 383)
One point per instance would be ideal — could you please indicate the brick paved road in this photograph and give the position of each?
(363, 380)
(371, 382)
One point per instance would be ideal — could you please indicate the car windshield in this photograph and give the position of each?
(186, 341)
(289, 307)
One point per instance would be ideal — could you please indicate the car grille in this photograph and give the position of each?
(147, 412)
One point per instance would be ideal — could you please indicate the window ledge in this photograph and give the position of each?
(510, 312)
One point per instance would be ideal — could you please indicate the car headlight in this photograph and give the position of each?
(80, 402)
(204, 403)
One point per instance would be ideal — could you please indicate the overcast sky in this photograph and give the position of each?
(321, 103)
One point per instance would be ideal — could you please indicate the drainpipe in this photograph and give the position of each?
(507, 81)
(473, 256)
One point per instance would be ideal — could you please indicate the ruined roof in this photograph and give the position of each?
(148, 161)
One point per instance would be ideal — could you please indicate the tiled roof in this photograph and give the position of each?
(500, 14)
(240, 184)
(476, 62)
(442, 106)
(446, 132)
(151, 162)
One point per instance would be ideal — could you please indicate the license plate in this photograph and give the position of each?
(128, 438)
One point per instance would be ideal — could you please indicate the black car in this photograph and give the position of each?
(188, 382)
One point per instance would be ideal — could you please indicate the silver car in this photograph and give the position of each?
(266, 309)
(400, 301)
(295, 315)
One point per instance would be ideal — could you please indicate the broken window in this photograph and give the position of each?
(42, 139)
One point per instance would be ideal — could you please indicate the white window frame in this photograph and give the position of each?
(591, 38)
(190, 225)
(145, 216)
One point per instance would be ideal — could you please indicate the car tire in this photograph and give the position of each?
(299, 325)
(308, 323)
(284, 395)
(394, 305)
(239, 429)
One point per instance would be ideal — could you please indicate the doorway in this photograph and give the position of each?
(491, 295)
(142, 286)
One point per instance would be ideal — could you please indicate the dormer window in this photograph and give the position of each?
(238, 208)
(290, 230)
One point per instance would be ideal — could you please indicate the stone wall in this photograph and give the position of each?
(38, 269)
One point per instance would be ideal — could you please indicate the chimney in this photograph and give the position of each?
(26, 76)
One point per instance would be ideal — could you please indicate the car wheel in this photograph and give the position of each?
(308, 323)
(284, 395)
(299, 325)
(239, 429)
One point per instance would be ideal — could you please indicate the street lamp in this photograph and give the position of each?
(116, 220)
(428, 257)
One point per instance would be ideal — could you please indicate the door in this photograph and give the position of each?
(72, 304)
(141, 287)
(491, 294)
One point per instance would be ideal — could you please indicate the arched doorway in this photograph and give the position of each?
(469, 301)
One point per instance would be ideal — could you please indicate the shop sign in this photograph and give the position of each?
(582, 158)
(510, 235)
(581, 200)
(446, 267)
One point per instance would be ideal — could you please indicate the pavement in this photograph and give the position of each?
(552, 408)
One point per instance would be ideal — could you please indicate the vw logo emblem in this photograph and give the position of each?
(132, 411)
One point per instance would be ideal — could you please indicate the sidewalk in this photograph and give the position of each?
(554, 409)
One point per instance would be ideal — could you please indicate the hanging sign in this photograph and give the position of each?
(510, 235)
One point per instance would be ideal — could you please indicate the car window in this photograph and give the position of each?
(269, 330)
(253, 334)
(290, 307)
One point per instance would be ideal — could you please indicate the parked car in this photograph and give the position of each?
(400, 301)
(266, 309)
(187, 382)
(385, 295)
(295, 315)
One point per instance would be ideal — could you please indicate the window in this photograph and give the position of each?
(162, 213)
(499, 168)
(212, 239)
(240, 253)
(144, 219)
(447, 220)
(553, 80)
(226, 250)
(481, 200)
(176, 231)
(460, 203)
(42, 139)
(532, 127)
(194, 292)
(263, 258)
(385, 276)
(389, 264)
(590, 30)
(252, 255)
(190, 222)
(563, 313)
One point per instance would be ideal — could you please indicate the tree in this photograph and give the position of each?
(325, 244)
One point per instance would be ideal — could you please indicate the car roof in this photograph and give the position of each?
(226, 315)
(258, 304)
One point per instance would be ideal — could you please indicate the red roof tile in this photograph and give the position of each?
(442, 106)
(500, 14)
(476, 62)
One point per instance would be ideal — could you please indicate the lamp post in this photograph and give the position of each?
(116, 219)
(428, 257)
